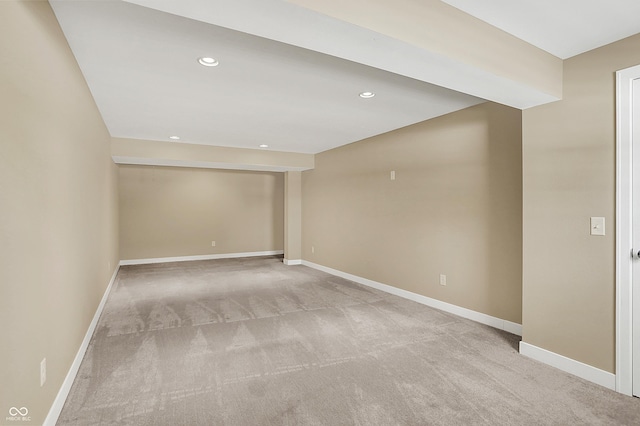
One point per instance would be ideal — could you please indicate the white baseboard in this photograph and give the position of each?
(58, 403)
(498, 323)
(577, 368)
(292, 261)
(199, 257)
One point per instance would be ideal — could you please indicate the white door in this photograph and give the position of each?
(628, 231)
(635, 195)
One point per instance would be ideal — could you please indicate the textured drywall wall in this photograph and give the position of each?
(178, 211)
(569, 176)
(453, 209)
(58, 220)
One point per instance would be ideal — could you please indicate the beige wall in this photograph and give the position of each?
(293, 217)
(454, 209)
(568, 176)
(58, 214)
(178, 211)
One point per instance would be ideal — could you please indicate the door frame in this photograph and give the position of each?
(624, 219)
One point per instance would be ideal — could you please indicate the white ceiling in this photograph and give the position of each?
(141, 66)
(564, 28)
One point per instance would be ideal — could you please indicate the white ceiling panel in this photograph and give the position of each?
(289, 77)
(564, 28)
(141, 66)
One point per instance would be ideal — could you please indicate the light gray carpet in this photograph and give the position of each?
(255, 342)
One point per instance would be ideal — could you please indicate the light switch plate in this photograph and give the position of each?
(597, 226)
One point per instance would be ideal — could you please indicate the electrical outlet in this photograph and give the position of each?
(443, 279)
(392, 175)
(43, 371)
(213, 243)
(313, 249)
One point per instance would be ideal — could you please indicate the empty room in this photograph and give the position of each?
(305, 212)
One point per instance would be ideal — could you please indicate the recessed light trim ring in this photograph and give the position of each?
(208, 61)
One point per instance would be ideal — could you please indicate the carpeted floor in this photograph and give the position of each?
(255, 342)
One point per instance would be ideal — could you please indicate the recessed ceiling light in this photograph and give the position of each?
(208, 62)
(367, 95)
(264, 146)
(175, 138)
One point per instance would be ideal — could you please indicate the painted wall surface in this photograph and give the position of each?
(569, 176)
(178, 211)
(454, 208)
(293, 216)
(58, 214)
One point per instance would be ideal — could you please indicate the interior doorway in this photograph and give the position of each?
(628, 231)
